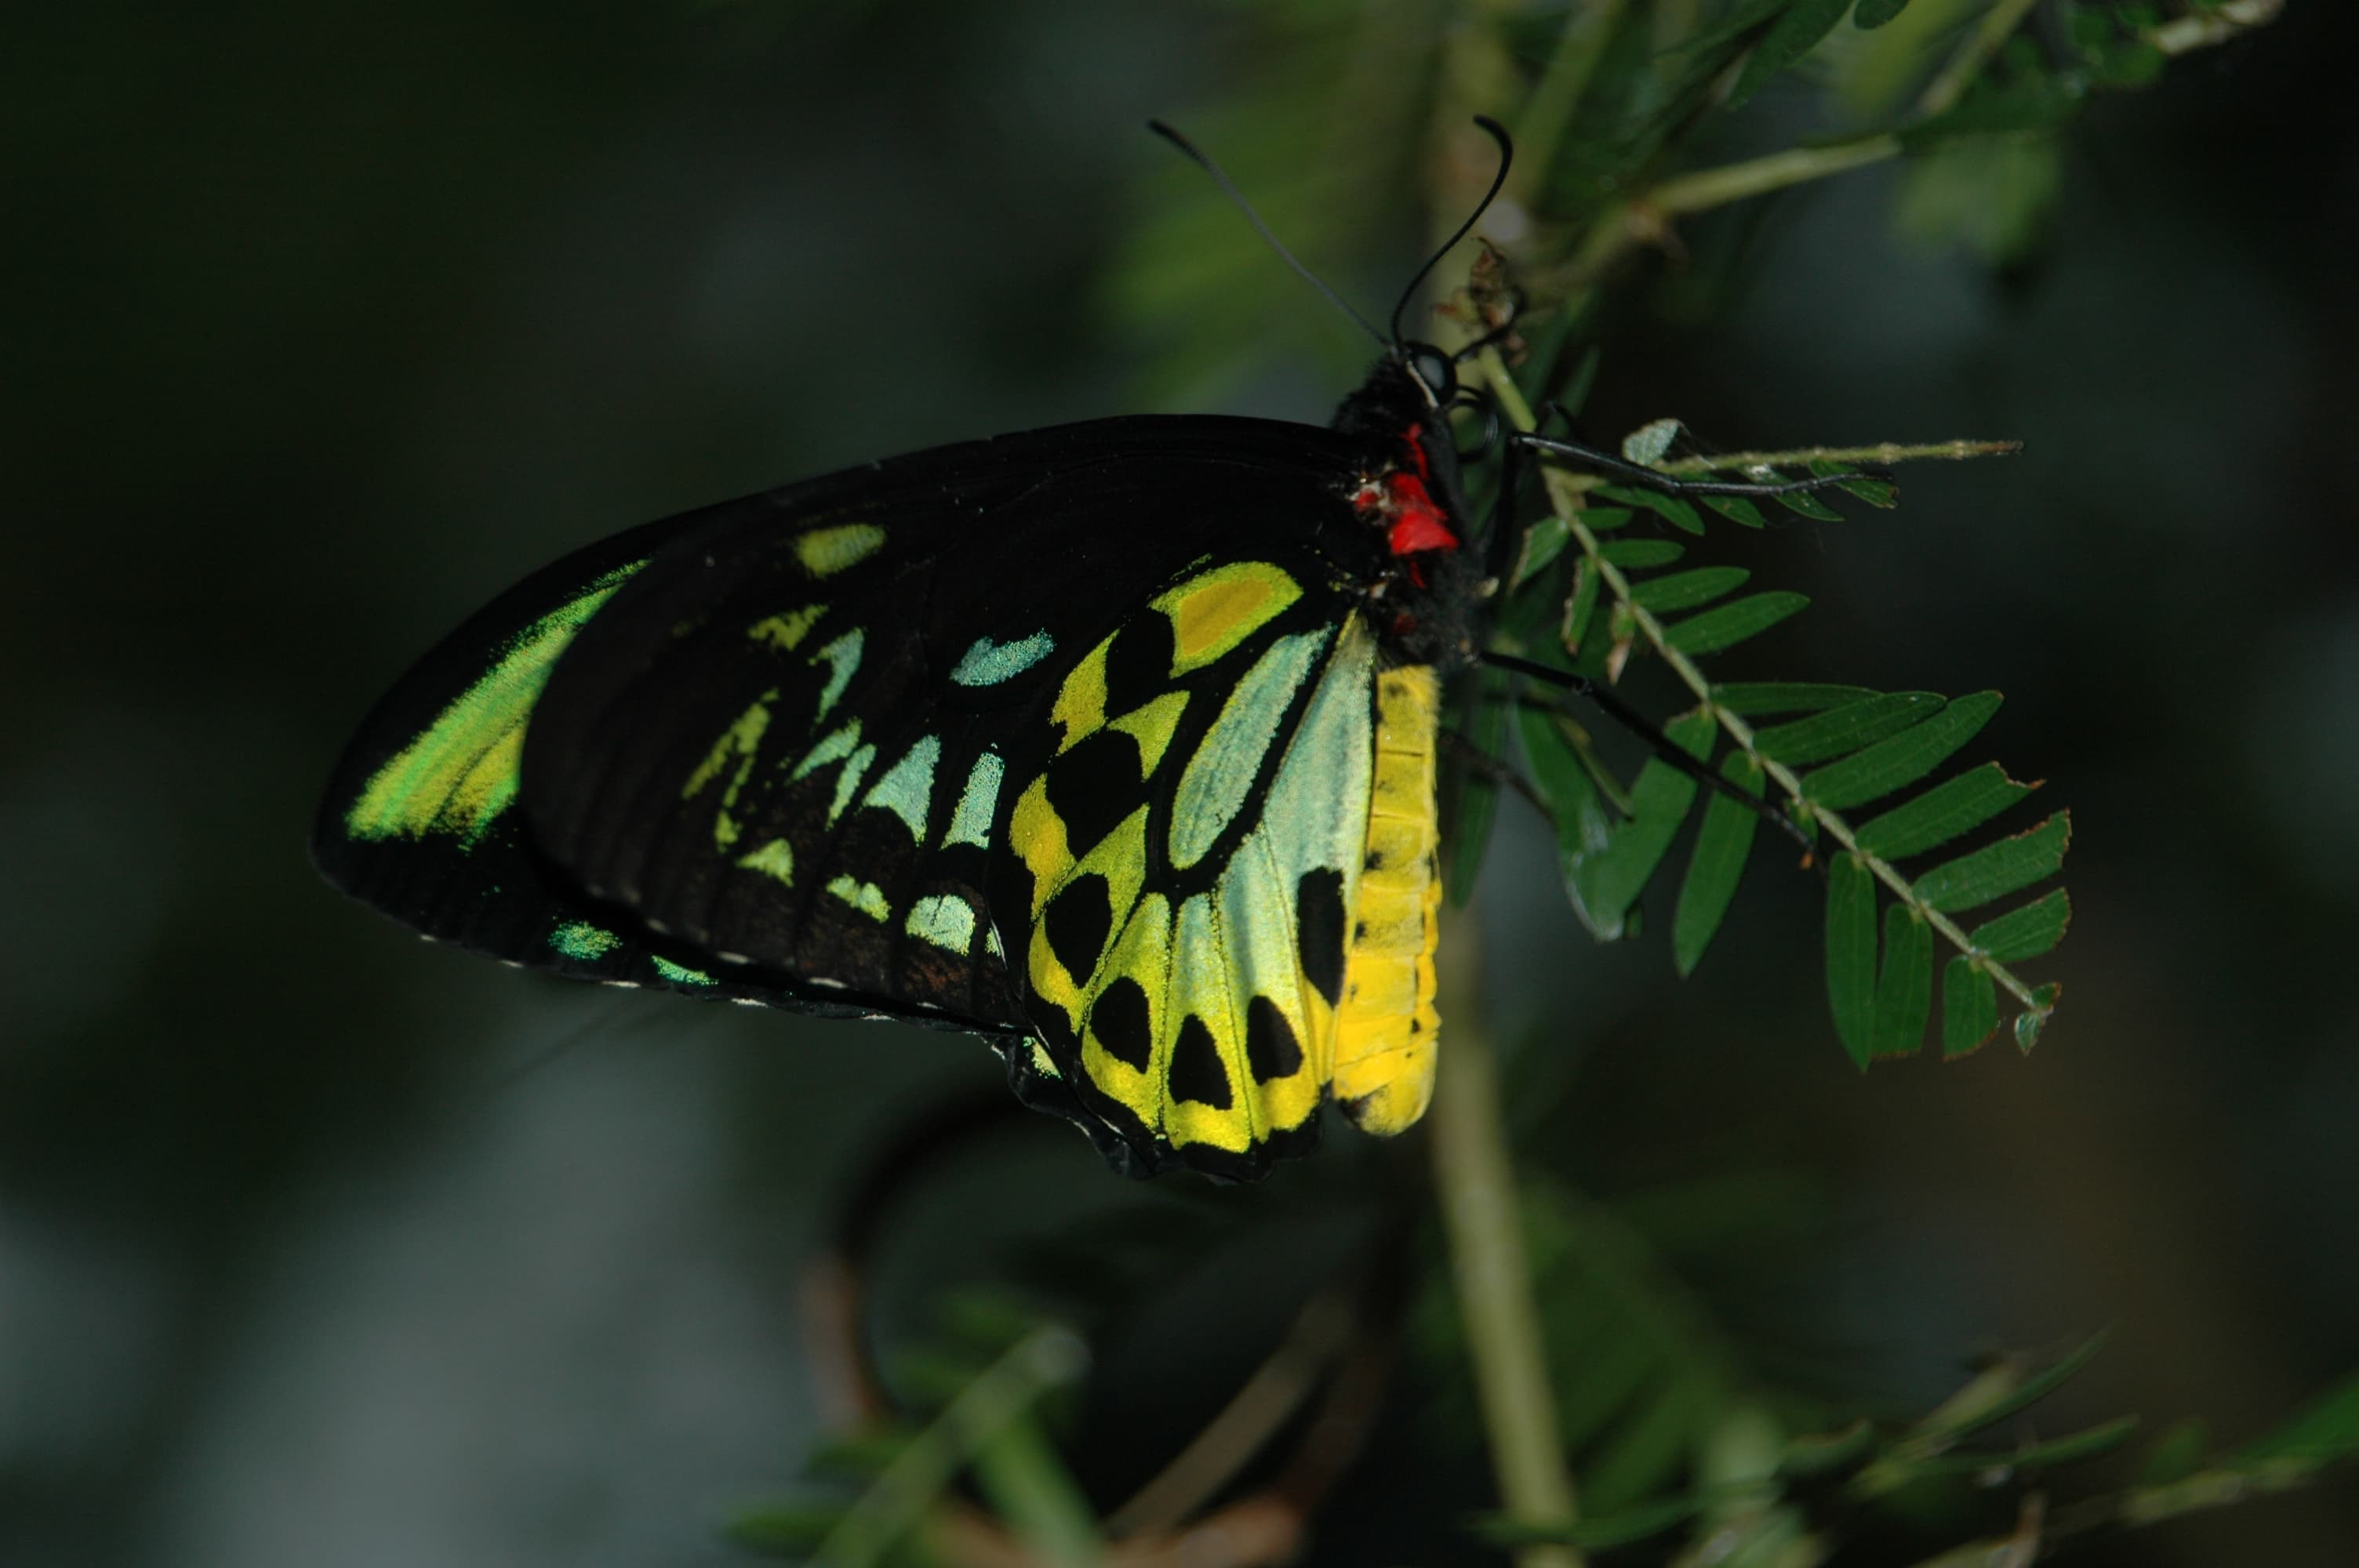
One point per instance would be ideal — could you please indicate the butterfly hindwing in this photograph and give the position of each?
(1188, 940)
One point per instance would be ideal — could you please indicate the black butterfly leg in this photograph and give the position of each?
(1661, 744)
(1491, 768)
(1638, 474)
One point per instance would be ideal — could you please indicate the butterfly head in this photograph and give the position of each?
(1407, 495)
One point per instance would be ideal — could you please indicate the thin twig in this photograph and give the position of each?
(1998, 24)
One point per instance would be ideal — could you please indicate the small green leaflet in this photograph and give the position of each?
(1689, 589)
(1969, 1007)
(2031, 932)
(1943, 813)
(1998, 870)
(1724, 840)
(1851, 955)
(1678, 514)
(1730, 624)
(1845, 728)
(1902, 759)
(1904, 988)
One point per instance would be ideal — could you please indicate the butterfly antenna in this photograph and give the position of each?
(1236, 199)
(1498, 134)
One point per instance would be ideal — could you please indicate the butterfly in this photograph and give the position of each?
(1114, 743)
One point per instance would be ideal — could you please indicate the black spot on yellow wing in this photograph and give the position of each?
(1050, 1022)
(1271, 1049)
(1092, 787)
(1122, 1024)
(1078, 920)
(1197, 1072)
(1319, 929)
(1139, 664)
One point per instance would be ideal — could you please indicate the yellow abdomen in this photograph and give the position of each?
(1385, 1028)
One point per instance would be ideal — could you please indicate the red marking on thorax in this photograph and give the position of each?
(1417, 523)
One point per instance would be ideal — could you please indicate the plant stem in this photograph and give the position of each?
(1483, 1220)
(1732, 182)
(1998, 25)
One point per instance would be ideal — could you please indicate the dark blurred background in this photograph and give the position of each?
(318, 1245)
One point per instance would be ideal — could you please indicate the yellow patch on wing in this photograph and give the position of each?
(786, 633)
(1081, 701)
(826, 551)
(1141, 956)
(741, 742)
(1151, 725)
(1386, 1028)
(1121, 858)
(1214, 611)
(460, 772)
(1038, 836)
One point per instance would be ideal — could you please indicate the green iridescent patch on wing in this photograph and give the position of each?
(583, 941)
(740, 743)
(680, 974)
(460, 772)
(775, 859)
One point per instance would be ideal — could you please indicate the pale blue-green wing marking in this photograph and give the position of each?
(844, 655)
(988, 663)
(1221, 772)
(907, 788)
(970, 821)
